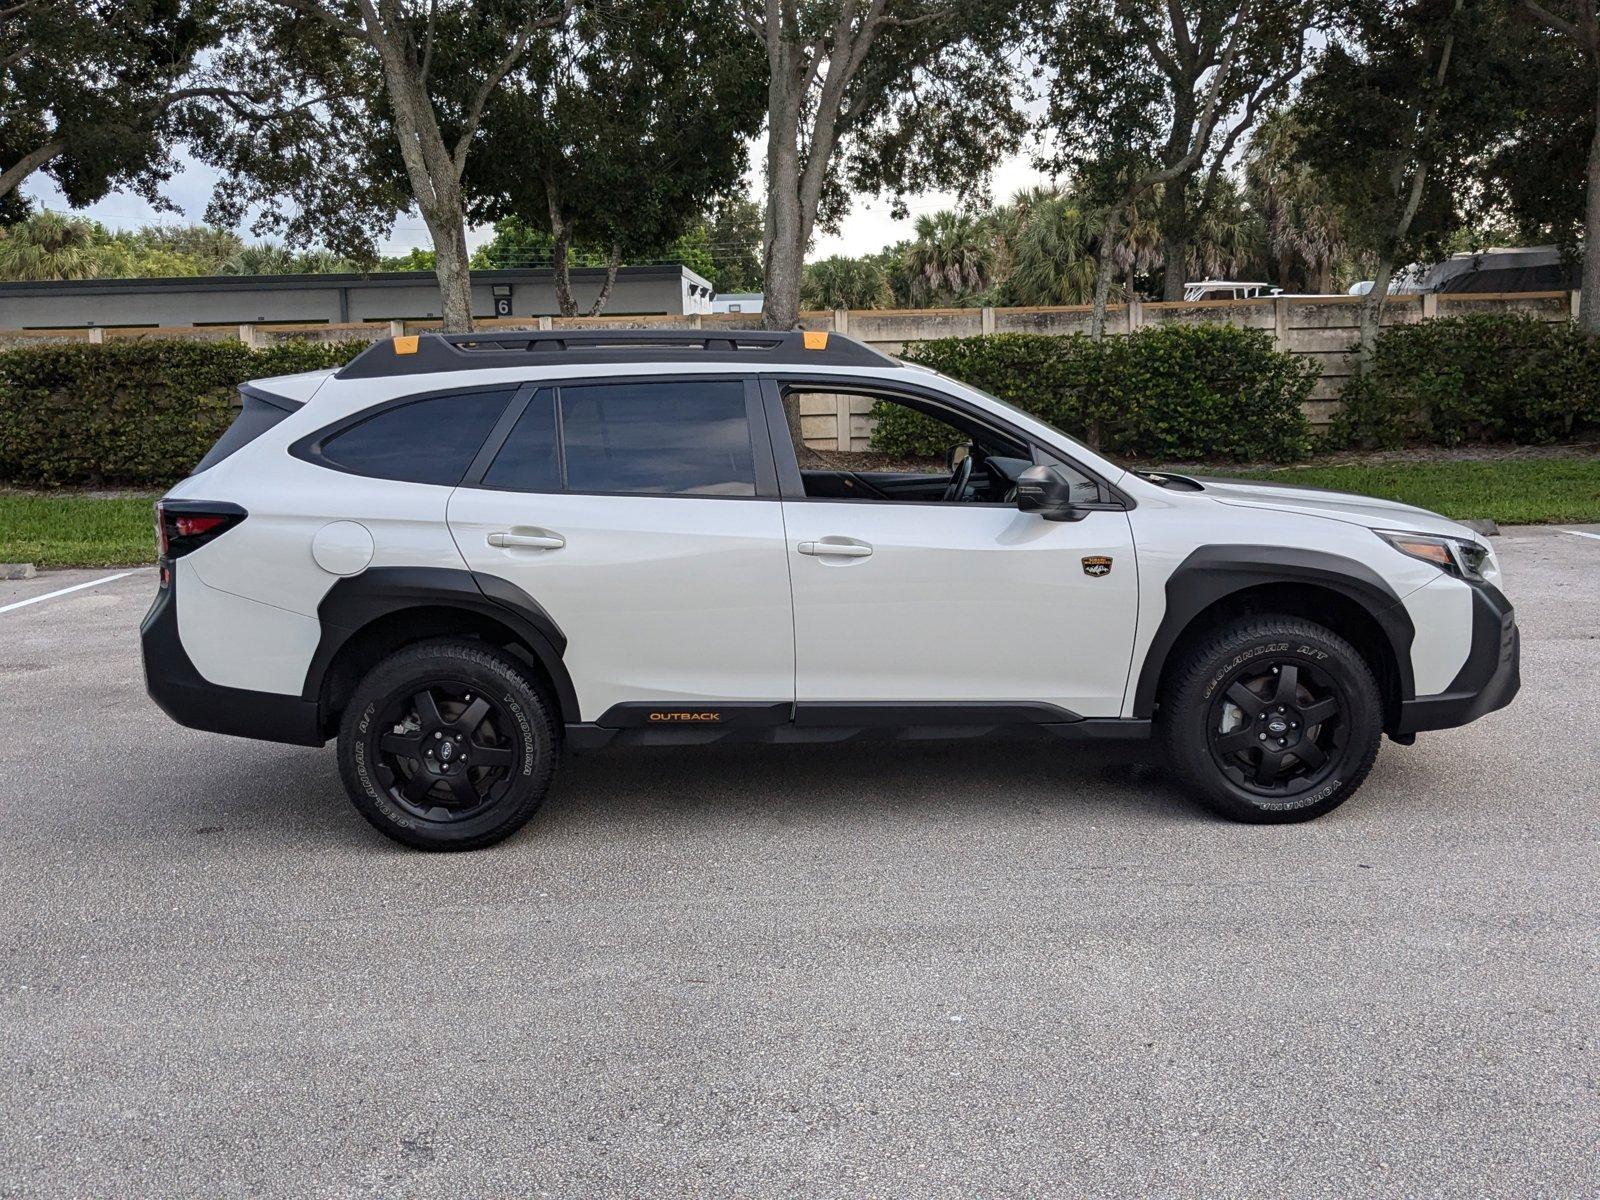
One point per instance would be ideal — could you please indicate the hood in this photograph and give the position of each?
(1337, 506)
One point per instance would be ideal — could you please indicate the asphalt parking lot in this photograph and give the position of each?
(894, 971)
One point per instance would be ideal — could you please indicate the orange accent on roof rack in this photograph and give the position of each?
(816, 339)
(406, 345)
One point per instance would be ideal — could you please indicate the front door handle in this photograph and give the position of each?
(539, 539)
(836, 548)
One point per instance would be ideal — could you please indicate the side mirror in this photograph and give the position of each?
(1047, 491)
(954, 455)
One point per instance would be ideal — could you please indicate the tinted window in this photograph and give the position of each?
(688, 438)
(528, 461)
(426, 441)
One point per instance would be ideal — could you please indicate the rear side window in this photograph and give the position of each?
(685, 439)
(424, 441)
(258, 412)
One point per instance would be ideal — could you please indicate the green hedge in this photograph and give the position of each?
(1170, 393)
(1490, 377)
(131, 413)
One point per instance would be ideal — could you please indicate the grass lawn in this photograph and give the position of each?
(1533, 491)
(76, 530)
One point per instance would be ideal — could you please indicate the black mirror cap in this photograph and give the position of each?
(1045, 490)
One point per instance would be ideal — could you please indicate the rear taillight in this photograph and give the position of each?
(183, 526)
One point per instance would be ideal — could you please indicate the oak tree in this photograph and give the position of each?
(881, 95)
(617, 131)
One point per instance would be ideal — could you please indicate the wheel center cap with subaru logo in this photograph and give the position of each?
(1277, 727)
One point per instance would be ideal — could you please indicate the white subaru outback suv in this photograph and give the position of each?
(462, 554)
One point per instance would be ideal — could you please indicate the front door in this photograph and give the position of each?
(954, 599)
(639, 515)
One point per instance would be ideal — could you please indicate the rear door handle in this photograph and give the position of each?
(836, 548)
(538, 539)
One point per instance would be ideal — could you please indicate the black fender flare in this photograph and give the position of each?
(1212, 573)
(354, 602)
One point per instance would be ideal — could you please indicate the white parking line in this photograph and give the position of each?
(77, 587)
(1582, 533)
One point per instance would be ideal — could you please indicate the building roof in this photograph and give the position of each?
(362, 279)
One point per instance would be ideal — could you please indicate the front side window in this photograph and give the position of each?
(686, 439)
(425, 441)
(858, 446)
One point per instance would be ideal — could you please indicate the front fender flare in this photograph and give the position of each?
(1212, 573)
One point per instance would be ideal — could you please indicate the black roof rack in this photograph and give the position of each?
(430, 353)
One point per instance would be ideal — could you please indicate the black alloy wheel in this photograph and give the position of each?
(443, 756)
(1275, 727)
(1272, 718)
(448, 745)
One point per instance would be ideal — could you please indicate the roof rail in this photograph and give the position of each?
(430, 353)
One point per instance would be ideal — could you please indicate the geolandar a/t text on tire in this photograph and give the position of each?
(461, 557)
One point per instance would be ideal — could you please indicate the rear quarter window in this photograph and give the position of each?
(431, 440)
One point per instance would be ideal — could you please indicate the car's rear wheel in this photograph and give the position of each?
(1273, 719)
(446, 745)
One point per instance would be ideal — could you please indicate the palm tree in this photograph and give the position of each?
(273, 258)
(1304, 222)
(840, 282)
(1054, 254)
(1056, 247)
(48, 245)
(952, 259)
(1229, 237)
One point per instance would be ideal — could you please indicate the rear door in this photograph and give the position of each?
(643, 516)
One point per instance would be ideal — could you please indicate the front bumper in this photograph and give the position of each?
(1487, 680)
(186, 696)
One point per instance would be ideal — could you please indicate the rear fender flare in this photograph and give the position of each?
(353, 603)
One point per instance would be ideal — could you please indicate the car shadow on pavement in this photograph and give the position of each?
(278, 794)
(822, 780)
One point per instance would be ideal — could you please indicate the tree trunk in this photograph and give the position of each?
(11, 178)
(1372, 313)
(561, 262)
(1589, 280)
(430, 168)
(451, 268)
(784, 258)
(1174, 237)
(1174, 270)
(613, 260)
(1105, 267)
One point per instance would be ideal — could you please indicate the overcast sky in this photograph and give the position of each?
(867, 228)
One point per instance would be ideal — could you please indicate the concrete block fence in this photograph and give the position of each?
(1324, 328)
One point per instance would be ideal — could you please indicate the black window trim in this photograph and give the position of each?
(793, 485)
(310, 447)
(761, 450)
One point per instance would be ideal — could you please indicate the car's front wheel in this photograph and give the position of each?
(446, 745)
(1273, 719)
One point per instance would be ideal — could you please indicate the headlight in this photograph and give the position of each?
(1458, 556)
